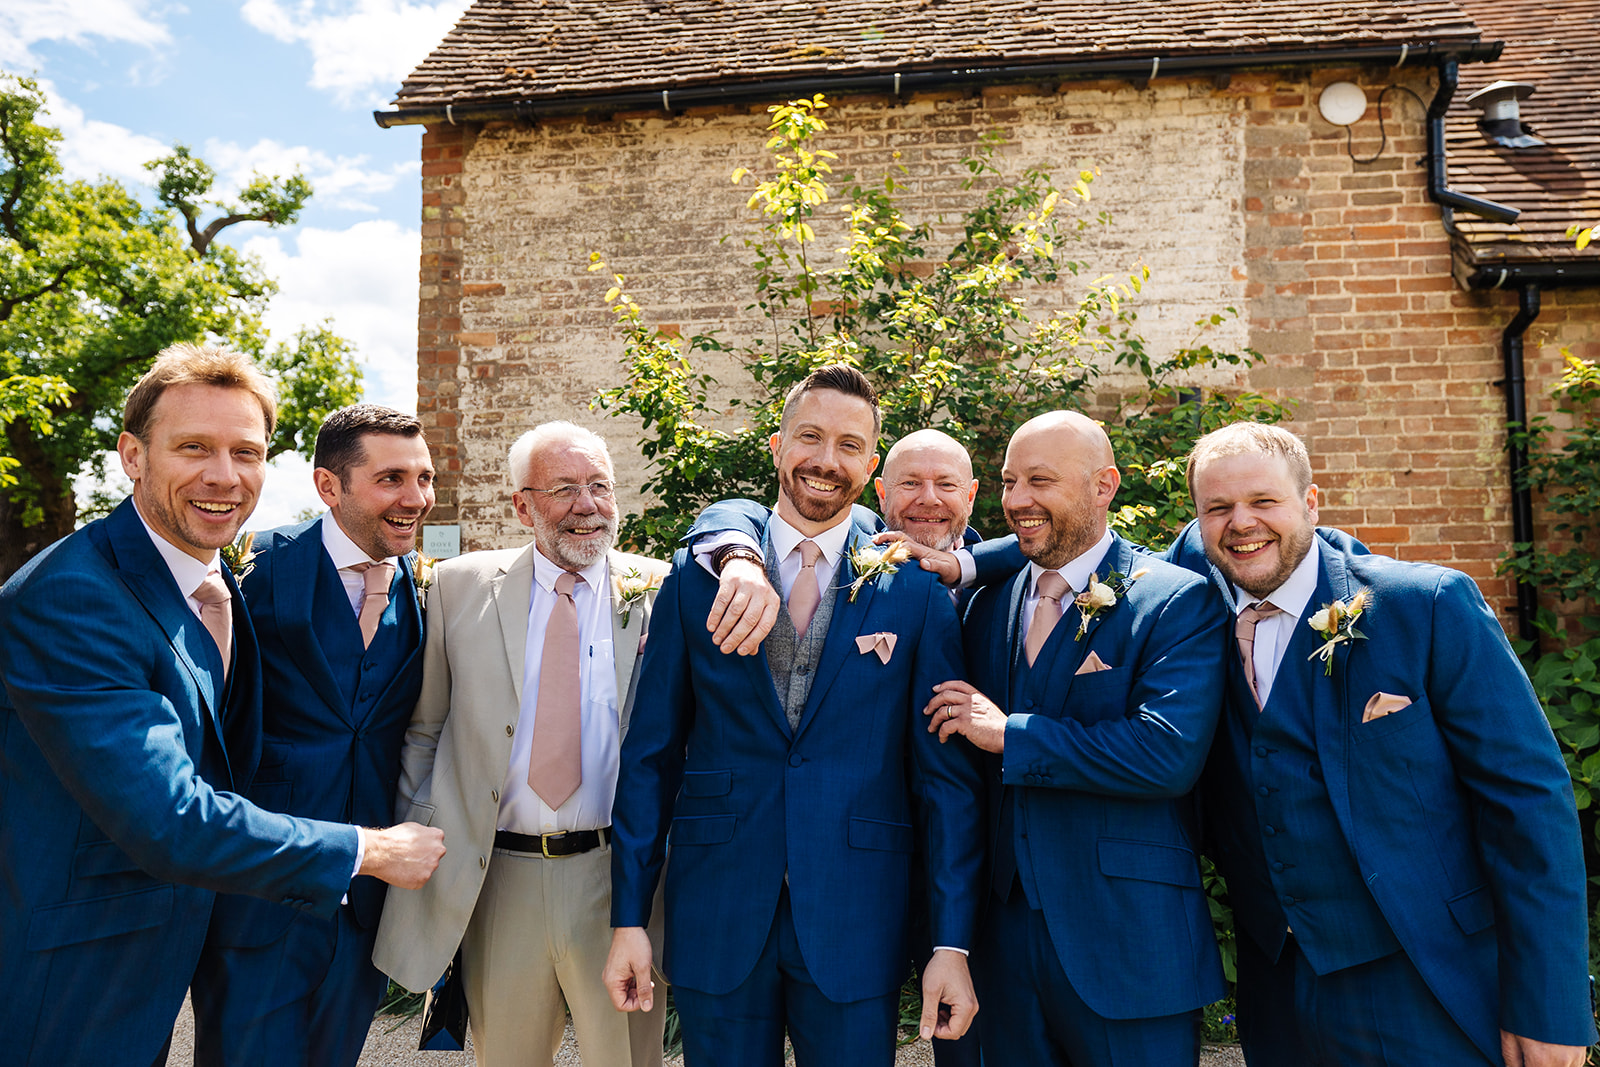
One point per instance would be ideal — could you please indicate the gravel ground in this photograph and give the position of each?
(392, 1043)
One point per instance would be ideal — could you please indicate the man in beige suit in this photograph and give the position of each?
(528, 683)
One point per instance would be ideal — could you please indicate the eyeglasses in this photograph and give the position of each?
(569, 494)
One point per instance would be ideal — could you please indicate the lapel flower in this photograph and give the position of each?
(630, 589)
(238, 556)
(1336, 623)
(422, 574)
(869, 563)
(1098, 596)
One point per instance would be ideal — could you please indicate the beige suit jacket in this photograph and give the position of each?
(458, 745)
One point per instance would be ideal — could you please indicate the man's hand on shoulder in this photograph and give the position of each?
(745, 608)
(405, 855)
(1526, 1052)
(627, 971)
(948, 1002)
(958, 708)
(943, 564)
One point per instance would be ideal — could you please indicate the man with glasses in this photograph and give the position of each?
(528, 678)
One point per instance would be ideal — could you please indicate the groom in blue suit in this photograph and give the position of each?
(129, 726)
(335, 607)
(1095, 690)
(797, 783)
(1384, 797)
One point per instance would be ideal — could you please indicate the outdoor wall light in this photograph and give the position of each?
(1342, 103)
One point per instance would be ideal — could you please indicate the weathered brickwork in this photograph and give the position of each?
(1238, 195)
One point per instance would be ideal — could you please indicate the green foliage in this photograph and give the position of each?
(93, 284)
(29, 397)
(963, 339)
(316, 376)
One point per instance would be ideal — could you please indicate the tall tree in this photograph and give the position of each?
(94, 283)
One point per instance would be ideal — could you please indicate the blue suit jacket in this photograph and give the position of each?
(839, 804)
(1457, 808)
(320, 759)
(1102, 764)
(116, 752)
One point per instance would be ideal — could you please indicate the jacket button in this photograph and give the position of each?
(1262, 791)
(795, 760)
(482, 862)
(1261, 750)
(1269, 831)
(510, 729)
(494, 795)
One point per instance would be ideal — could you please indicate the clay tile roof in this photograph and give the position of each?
(505, 50)
(1552, 44)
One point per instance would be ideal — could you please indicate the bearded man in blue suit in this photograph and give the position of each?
(335, 607)
(1384, 797)
(131, 723)
(797, 783)
(1095, 689)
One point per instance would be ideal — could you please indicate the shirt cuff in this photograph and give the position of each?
(951, 948)
(706, 545)
(361, 854)
(969, 567)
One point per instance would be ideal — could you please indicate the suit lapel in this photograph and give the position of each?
(624, 639)
(1329, 696)
(300, 566)
(513, 592)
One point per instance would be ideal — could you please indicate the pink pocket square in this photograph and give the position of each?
(1383, 704)
(882, 644)
(1091, 663)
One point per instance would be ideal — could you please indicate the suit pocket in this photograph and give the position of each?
(1395, 721)
(89, 920)
(707, 783)
(273, 796)
(99, 858)
(701, 830)
(1472, 910)
(880, 836)
(420, 813)
(1148, 861)
(274, 754)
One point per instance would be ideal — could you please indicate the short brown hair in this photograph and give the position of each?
(1240, 438)
(191, 364)
(841, 378)
(340, 441)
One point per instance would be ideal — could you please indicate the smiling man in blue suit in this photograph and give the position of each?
(1384, 797)
(130, 723)
(797, 783)
(1095, 688)
(335, 607)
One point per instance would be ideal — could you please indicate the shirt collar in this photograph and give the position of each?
(1077, 572)
(343, 551)
(1296, 591)
(545, 572)
(831, 540)
(187, 571)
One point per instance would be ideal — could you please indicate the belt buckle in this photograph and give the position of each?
(544, 845)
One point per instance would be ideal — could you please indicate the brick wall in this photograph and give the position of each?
(1237, 195)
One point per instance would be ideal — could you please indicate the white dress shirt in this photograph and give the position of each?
(1273, 632)
(1076, 573)
(589, 808)
(786, 543)
(345, 553)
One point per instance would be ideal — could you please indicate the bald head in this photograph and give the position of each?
(927, 488)
(1058, 483)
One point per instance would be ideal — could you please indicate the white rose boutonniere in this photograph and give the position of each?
(422, 575)
(1335, 624)
(631, 588)
(1100, 596)
(238, 556)
(869, 563)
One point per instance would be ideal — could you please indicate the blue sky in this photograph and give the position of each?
(270, 86)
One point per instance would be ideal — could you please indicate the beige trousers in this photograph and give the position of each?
(539, 935)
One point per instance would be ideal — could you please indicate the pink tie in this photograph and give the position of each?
(1245, 631)
(555, 767)
(1052, 587)
(216, 614)
(805, 595)
(375, 580)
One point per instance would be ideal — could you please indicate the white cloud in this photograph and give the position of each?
(90, 148)
(360, 49)
(365, 279)
(27, 22)
(341, 182)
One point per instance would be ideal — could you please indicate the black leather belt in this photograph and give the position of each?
(553, 846)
